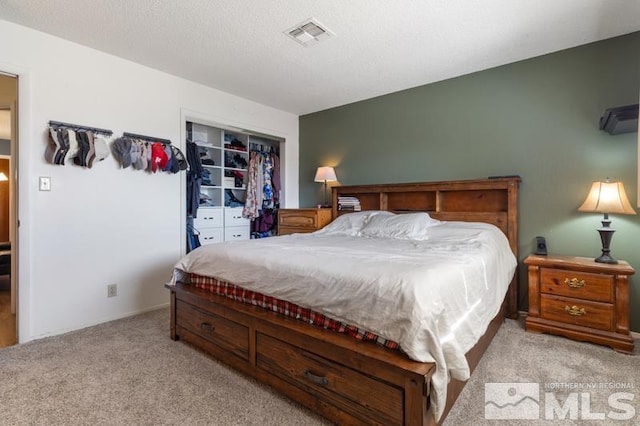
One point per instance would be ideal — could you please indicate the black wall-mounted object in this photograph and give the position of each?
(618, 120)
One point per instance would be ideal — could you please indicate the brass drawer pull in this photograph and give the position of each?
(205, 326)
(318, 380)
(575, 311)
(575, 283)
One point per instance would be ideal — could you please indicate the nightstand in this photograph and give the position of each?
(581, 299)
(292, 221)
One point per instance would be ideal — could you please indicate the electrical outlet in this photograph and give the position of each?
(112, 290)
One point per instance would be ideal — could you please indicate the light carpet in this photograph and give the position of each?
(128, 372)
(563, 368)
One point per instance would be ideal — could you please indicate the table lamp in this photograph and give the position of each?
(607, 197)
(325, 174)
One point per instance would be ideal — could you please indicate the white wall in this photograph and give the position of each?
(105, 225)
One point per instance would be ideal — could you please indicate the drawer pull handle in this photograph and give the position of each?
(575, 311)
(575, 283)
(318, 380)
(205, 326)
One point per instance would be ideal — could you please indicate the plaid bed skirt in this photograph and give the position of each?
(282, 307)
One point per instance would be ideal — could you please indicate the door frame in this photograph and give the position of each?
(12, 206)
(20, 246)
(213, 120)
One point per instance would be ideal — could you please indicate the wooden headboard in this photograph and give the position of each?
(492, 201)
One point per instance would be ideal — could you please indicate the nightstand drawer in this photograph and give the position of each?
(580, 285)
(302, 221)
(575, 311)
(298, 219)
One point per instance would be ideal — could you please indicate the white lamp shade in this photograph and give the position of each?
(325, 174)
(3, 177)
(607, 197)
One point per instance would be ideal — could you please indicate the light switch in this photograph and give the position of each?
(45, 183)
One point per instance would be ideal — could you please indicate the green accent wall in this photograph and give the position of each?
(536, 118)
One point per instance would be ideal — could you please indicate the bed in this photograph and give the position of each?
(353, 381)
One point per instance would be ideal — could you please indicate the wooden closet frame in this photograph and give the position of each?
(345, 380)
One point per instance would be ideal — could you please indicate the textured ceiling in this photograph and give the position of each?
(380, 46)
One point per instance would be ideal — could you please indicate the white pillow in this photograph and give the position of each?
(351, 223)
(406, 226)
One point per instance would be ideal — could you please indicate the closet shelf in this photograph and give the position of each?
(206, 145)
(239, 151)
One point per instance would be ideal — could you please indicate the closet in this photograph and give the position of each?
(219, 184)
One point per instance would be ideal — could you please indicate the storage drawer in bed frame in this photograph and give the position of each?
(328, 369)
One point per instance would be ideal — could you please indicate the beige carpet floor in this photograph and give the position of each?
(559, 367)
(128, 372)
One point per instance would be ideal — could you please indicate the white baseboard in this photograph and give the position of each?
(101, 321)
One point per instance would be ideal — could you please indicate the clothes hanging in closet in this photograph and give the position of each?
(194, 179)
(264, 225)
(263, 183)
(193, 236)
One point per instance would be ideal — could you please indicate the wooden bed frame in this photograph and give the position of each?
(345, 380)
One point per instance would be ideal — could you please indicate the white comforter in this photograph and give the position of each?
(434, 297)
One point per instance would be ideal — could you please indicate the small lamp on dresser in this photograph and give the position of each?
(325, 174)
(607, 197)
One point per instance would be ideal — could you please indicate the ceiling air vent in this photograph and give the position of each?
(309, 32)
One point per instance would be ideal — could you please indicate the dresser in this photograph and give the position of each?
(581, 299)
(215, 224)
(292, 221)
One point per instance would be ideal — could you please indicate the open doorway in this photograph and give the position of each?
(8, 222)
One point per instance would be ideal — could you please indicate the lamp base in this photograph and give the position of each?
(606, 233)
(605, 258)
